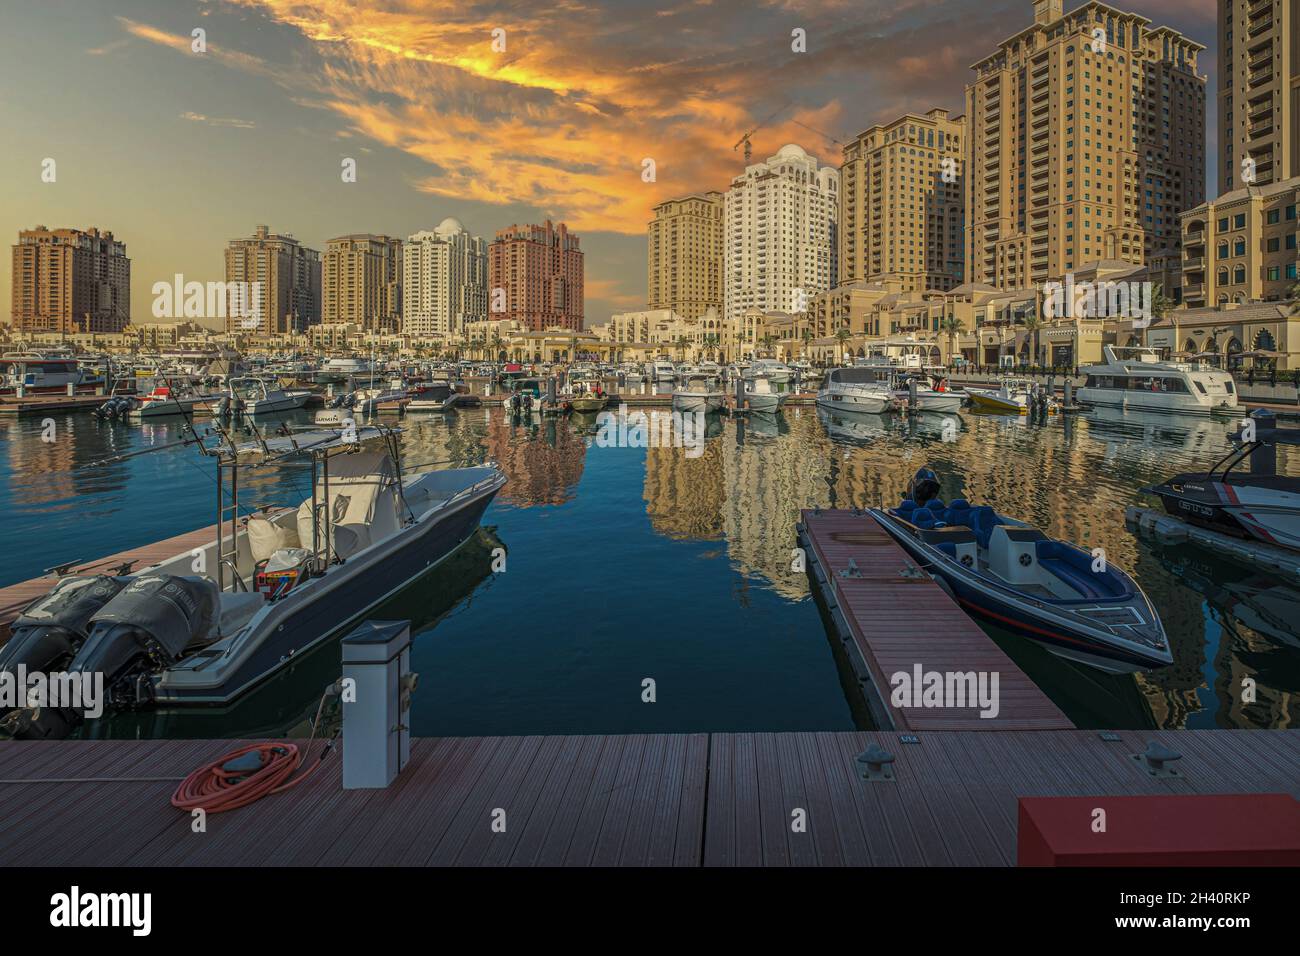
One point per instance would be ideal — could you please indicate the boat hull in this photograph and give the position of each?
(1268, 515)
(996, 403)
(853, 402)
(338, 606)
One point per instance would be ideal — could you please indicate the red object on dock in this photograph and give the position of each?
(1241, 829)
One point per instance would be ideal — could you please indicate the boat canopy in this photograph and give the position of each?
(857, 375)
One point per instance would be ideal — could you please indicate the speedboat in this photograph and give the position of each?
(928, 399)
(1136, 377)
(251, 395)
(1011, 397)
(1011, 574)
(855, 389)
(205, 626)
(167, 400)
(1261, 505)
(698, 400)
(662, 370)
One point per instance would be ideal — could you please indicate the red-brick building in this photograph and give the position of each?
(535, 275)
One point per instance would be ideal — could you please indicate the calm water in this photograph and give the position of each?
(626, 564)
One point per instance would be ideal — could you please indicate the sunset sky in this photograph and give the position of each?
(177, 152)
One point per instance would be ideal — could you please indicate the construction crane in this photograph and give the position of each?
(749, 150)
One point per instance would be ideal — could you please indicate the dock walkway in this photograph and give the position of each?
(722, 799)
(892, 618)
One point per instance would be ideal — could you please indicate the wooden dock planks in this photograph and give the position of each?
(723, 799)
(895, 621)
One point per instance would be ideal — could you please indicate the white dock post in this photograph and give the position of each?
(376, 729)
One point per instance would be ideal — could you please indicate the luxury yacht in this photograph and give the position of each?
(855, 389)
(1137, 378)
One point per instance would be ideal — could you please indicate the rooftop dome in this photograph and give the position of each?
(791, 151)
(450, 224)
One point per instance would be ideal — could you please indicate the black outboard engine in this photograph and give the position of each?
(146, 627)
(51, 630)
(924, 486)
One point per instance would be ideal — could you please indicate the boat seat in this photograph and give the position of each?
(1075, 569)
(947, 535)
(265, 537)
(982, 520)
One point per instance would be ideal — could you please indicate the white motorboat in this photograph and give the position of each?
(175, 399)
(251, 395)
(778, 373)
(698, 400)
(761, 397)
(1137, 378)
(43, 373)
(927, 399)
(205, 626)
(662, 370)
(855, 389)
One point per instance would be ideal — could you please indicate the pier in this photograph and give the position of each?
(42, 404)
(720, 799)
(892, 618)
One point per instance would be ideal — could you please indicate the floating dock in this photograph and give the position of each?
(892, 618)
(43, 404)
(722, 799)
(1168, 529)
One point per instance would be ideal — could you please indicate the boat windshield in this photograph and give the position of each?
(860, 375)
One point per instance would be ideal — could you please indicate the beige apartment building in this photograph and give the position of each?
(1259, 92)
(361, 281)
(289, 293)
(684, 251)
(1241, 247)
(901, 208)
(1087, 141)
(779, 231)
(444, 280)
(69, 281)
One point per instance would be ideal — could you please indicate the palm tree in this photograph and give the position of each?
(681, 348)
(1292, 293)
(951, 325)
(1160, 304)
(767, 343)
(807, 337)
(842, 336)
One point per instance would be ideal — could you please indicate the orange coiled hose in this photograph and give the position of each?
(215, 790)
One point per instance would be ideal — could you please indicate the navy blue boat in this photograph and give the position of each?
(1010, 573)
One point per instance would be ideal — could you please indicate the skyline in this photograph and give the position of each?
(187, 151)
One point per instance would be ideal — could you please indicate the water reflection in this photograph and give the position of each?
(738, 497)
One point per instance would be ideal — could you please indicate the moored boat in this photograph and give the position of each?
(855, 389)
(1009, 573)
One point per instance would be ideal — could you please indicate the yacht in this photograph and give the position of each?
(37, 373)
(1137, 378)
(341, 369)
(204, 627)
(928, 399)
(762, 397)
(855, 389)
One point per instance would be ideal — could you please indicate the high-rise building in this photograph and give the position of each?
(444, 280)
(684, 268)
(901, 203)
(536, 274)
(361, 281)
(1241, 247)
(1259, 92)
(68, 281)
(779, 227)
(288, 293)
(1087, 140)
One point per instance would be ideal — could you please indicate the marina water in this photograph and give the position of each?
(624, 566)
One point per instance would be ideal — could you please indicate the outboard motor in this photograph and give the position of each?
(924, 486)
(51, 630)
(146, 627)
